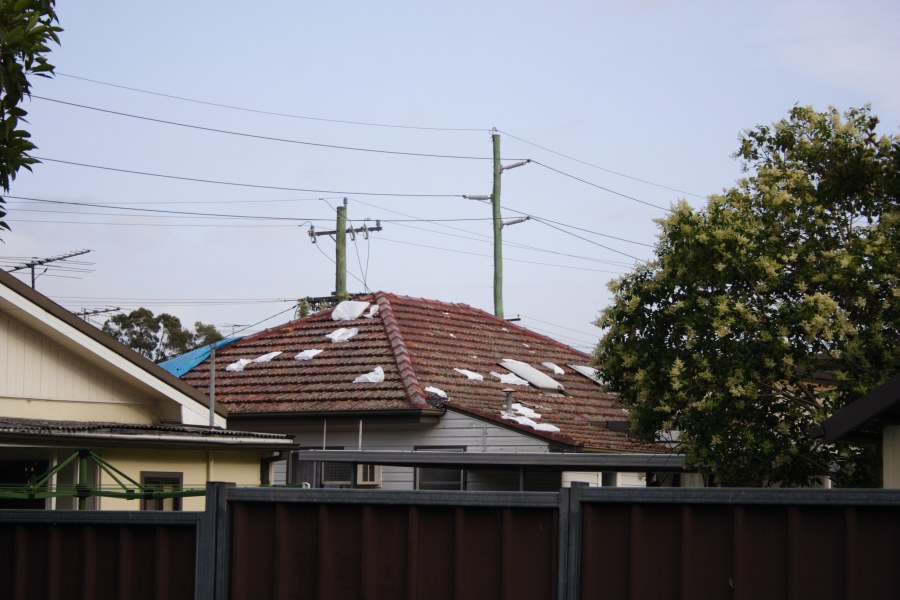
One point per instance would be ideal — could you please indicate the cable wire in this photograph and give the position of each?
(265, 112)
(605, 189)
(262, 137)
(246, 185)
(578, 160)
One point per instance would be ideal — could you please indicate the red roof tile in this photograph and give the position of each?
(418, 343)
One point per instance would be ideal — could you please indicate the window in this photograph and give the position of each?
(165, 482)
(438, 478)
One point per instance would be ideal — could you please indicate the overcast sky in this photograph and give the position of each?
(627, 109)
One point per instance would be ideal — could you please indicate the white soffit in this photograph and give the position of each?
(531, 375)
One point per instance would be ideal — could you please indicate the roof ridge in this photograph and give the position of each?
(408, 378)
(498, 320)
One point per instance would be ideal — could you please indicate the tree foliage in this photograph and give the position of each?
(158, 337)
(771, 307)
(26, 29)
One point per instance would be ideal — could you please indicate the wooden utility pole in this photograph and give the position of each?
(340, 238)
(498, 228)
(340, 253)
(498, 222)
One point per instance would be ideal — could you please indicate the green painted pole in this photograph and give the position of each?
(498, 229)
(340, 259)
(82, 478)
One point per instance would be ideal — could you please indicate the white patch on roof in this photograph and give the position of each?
(373, 310)
(307, 354)
(525, 416)
(238, 365)
(519, 419)
(531, 375)
(453, 336)
(436, 391)
(348, 310)
(504, 329)
(470, 374)
(376, 375)
(526, 345)
(266, 357)
(343, 334)
(546, 427)
(589, 372)
(509, 378)
(554, 367)
(525, 411)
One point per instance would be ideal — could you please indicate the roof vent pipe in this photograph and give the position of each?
(509, 400)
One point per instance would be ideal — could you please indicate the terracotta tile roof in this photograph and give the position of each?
(418, 343)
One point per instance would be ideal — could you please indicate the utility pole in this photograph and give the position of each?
(498, 228)
(43, 261)
(498, 222)
(340, 238)
(340, 253)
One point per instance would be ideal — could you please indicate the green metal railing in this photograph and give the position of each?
(126, 487)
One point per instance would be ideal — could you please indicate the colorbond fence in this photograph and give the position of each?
(580, 543)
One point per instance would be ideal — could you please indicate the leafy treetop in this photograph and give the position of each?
(158, 337)
(770, 308)
(26, 29)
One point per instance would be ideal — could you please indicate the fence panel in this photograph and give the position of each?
(741, 544)
(370, 544)
(97, 555)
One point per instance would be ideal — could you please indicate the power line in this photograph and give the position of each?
(600, 187)
(620, 174)
(262, 137)
(322, 252)
(555, 325)
(578, 236)
(265, 112)
(246, 185)
(515, 245)
(530, 262)
(362, 123)
(213, 215)
(613, 237)
(488, 238)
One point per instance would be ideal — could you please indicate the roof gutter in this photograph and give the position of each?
(143, 439)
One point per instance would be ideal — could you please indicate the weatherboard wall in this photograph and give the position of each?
(40, 379)
(453, 430)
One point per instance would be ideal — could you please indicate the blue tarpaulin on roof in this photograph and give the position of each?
(183, 363)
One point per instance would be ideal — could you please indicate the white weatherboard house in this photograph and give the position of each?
(67, 387)
(392, 381)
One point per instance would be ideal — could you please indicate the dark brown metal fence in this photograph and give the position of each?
(263, 543)
(69, 555)
(741, 544)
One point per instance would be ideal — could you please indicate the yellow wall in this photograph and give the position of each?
(39, 379)
(891, 460)
(197, 467)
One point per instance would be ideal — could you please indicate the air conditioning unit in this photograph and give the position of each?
(368, 475)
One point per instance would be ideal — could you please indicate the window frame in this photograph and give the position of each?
(168, 478)
(417, 483)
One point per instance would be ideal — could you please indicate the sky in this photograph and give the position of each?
(625, 107)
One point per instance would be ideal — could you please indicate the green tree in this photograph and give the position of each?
(158, 337)
(26, 29)
(770, 308)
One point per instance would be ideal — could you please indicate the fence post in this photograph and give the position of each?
(573, 575)
(562, 566)
(213, 551)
